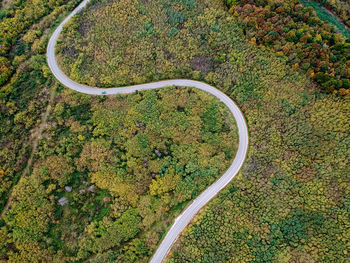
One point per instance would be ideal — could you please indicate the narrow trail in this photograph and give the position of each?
(194, 207)
(35, 137)
(326, 9)
(336, 16)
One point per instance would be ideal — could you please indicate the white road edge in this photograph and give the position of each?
(191, 210)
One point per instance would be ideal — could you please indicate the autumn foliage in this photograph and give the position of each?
(124, 166)
(288, 28)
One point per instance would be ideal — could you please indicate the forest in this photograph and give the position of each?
(25, 81)
(100, 179)
(287, 28)
(292, 30)
(111, 173)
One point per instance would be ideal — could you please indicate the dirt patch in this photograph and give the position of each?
(6, 3)
(70, 52)
(203, 64)
(84, 27)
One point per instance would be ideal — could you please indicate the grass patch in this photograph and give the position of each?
(325, 15)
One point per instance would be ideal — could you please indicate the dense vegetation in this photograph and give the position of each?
(18, 17)
(126, 165)
(284, 27)
(25, 81)
(294, 31)
(290, 203)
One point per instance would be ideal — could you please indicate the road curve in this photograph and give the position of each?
(186, 216)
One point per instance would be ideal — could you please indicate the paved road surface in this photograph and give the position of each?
(186, 216)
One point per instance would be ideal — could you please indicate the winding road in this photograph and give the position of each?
(191, 210)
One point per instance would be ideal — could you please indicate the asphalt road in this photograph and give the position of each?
(187, 215)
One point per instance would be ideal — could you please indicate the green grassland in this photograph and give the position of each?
(323, 14)
(341, 8)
